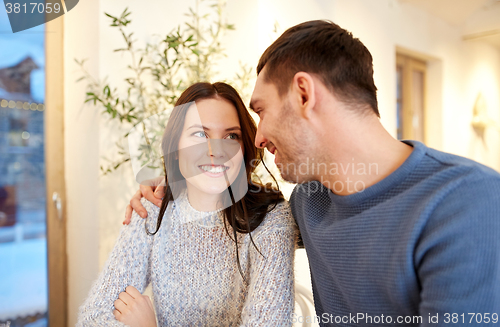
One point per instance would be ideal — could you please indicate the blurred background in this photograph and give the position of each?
(62, 196)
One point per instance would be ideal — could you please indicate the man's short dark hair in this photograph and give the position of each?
(328, 51)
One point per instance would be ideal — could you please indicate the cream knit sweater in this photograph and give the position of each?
(191, 263)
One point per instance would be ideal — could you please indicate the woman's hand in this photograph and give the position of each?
(134, 309)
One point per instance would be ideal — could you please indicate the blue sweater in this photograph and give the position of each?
(422, 246)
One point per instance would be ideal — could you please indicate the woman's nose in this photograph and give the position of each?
(215, 148)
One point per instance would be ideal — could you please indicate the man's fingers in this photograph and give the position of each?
(160, 180)
(136, 204)
(160, 192)
(149, 194)
(133, 292)
(128, 214)
(148, 191)
(154, 181)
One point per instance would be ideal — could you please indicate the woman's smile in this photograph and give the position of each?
(213, 170)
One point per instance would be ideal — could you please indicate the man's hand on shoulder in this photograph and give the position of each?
(153, 190)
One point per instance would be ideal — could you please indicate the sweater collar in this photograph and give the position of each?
(186, 213)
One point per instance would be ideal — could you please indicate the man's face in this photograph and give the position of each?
(280, 129)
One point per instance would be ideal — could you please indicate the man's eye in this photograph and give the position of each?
(257, 111)
(199, 134)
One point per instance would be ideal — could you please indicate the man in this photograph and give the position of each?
(396, 233)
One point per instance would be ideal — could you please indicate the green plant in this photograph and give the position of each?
(160, 72)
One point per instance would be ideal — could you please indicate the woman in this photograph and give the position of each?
(199, 274)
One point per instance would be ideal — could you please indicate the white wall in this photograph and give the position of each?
(459, 70)
(81, 137)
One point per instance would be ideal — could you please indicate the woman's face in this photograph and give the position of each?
(210, 146)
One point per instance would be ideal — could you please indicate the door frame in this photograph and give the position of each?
(409, 64)
(57, 264)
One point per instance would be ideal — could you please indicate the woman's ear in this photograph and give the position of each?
(303, 92)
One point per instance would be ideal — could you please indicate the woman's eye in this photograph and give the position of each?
(233, 136)
(200, 134)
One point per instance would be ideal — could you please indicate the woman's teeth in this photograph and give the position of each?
(214, 169)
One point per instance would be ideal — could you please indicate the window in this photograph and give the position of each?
(23, 241)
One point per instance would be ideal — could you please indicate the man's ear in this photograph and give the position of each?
(303, 90)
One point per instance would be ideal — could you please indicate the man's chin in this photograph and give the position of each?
(288, 171)
(293, 178)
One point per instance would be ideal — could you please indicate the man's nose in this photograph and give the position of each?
(260, 140)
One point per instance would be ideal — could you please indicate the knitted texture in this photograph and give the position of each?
(191, 263)
(424, 241)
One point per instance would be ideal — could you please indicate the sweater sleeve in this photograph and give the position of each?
(458, 257)
(270, 300)
(128, 264)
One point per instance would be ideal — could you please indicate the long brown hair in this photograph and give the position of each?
(248, 213)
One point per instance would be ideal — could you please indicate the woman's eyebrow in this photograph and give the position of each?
(198, 126)
(206, 128)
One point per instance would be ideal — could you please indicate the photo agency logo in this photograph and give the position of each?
(25, 14)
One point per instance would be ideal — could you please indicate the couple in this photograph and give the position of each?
(415, 241)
